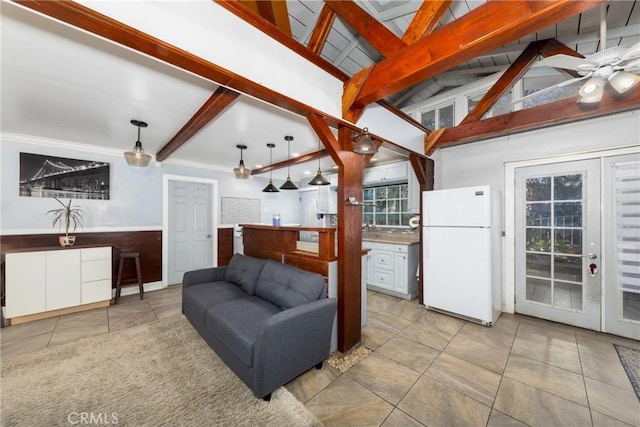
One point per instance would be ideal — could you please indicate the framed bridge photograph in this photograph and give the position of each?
(48, 176)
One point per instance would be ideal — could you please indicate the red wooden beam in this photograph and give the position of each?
(321, 29)
(425, 19)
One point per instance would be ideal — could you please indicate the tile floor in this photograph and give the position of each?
(426, 369)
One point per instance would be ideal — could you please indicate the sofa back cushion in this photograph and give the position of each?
(244, 270)
(288, 286)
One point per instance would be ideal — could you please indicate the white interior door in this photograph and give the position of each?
(558, 248)
(621, 219)
(190, 228)
(309, 207)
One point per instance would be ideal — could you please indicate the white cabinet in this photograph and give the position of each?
(327, 199)
(390, 172)
(392, 268)
(414, 193)
(43, 281)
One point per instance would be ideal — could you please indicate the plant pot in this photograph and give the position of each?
(67, 240)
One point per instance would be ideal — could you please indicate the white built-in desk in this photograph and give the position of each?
(47, 282)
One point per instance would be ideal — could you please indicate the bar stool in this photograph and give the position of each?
(129, 254)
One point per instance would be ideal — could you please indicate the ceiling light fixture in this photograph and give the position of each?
(241, 172)
(288, 184)
(591, 92)
(364, 144)
(622, 81)
(319, 179)
(270, 188)
(137, 156)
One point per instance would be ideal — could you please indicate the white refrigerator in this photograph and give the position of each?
(461, 238)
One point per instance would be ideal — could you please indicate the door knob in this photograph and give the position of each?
(592, 256)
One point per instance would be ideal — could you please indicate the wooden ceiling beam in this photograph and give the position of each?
(379, 36)
(425, 20)
(564, 111)
(321, 30)
(487, 27)
(273, 11)
(215, 105)
(554, 47)
(290, 162)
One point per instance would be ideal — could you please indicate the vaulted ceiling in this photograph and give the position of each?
(65, 84)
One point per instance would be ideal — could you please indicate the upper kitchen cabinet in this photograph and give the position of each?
(385, 173)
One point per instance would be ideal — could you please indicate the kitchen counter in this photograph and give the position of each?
(393, 238)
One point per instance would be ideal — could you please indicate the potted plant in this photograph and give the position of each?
(67, 215)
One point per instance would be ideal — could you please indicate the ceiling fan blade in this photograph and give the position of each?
(565, 61)
(632, 53)
(547, 89)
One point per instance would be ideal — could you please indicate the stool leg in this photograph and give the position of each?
(139, 273)
(119, 281)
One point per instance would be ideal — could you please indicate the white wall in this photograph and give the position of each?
(136, 193)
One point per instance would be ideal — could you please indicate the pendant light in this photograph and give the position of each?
(241, 172)
(137, 156)
(364, 144)
(288, 184)
(270, 188)
(319, 179)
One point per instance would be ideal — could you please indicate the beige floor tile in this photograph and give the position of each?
(62, 336)
(543, 352)
(163, 311)
(163, 297)
(498, 419)
(557, 381)
(487, 335)
(405, 309)
(399, 419)
(476, 382)
(311, 382)
(536, 407)
(408, 353)
(129, 318)
(28, 329)
(85, 319)
(372, 337)
(23, 346)
(386, 378)
(430, 337)
(448, 324)
(387, 321)
(594, 347)
(507, 323)
(377, 302)
(548, 325)
(344, 402)
(483, 355)
(547, 336)
(614, 402)
(601, 420)
(435, 404)
(606, 371)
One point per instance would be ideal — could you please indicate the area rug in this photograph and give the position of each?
(157, 374)
(630, 359)
(345, 361)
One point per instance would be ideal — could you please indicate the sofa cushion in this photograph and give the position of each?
(288, 286)
(198, 298)
(237, 324)
(244, 270)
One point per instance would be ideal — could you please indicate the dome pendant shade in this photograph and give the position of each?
(364, 144)
(137, 157)
(241, 172)
(270, 188)
(288, 184)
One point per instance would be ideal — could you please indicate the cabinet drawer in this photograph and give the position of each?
(383, 279)
(91, 254)
(96, 291)
(383, 259)
(96, 270)
(403, 249)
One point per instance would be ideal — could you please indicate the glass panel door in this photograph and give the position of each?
(557, 226)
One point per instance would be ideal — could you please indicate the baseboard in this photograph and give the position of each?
(132, 289)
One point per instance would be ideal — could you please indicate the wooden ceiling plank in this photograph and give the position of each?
(506, 81)
(564, 111)
(425, 20)
(379, 36)
(215, 105)
(321, 30)
(487, 27)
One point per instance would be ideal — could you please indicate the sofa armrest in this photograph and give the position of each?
(291, 342)
(205, 275)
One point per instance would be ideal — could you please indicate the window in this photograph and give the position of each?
(386, 205)
(441, 117)
(502, 105)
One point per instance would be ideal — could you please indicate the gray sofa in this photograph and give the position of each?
(269, 322)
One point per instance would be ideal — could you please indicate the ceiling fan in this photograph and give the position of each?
(615, 65)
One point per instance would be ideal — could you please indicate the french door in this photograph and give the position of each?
(578, 243)
(558, 242)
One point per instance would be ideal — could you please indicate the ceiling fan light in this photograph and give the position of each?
(591, 92)
(241, 172)
(364, 144)
(622, 81)
(137, 157)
